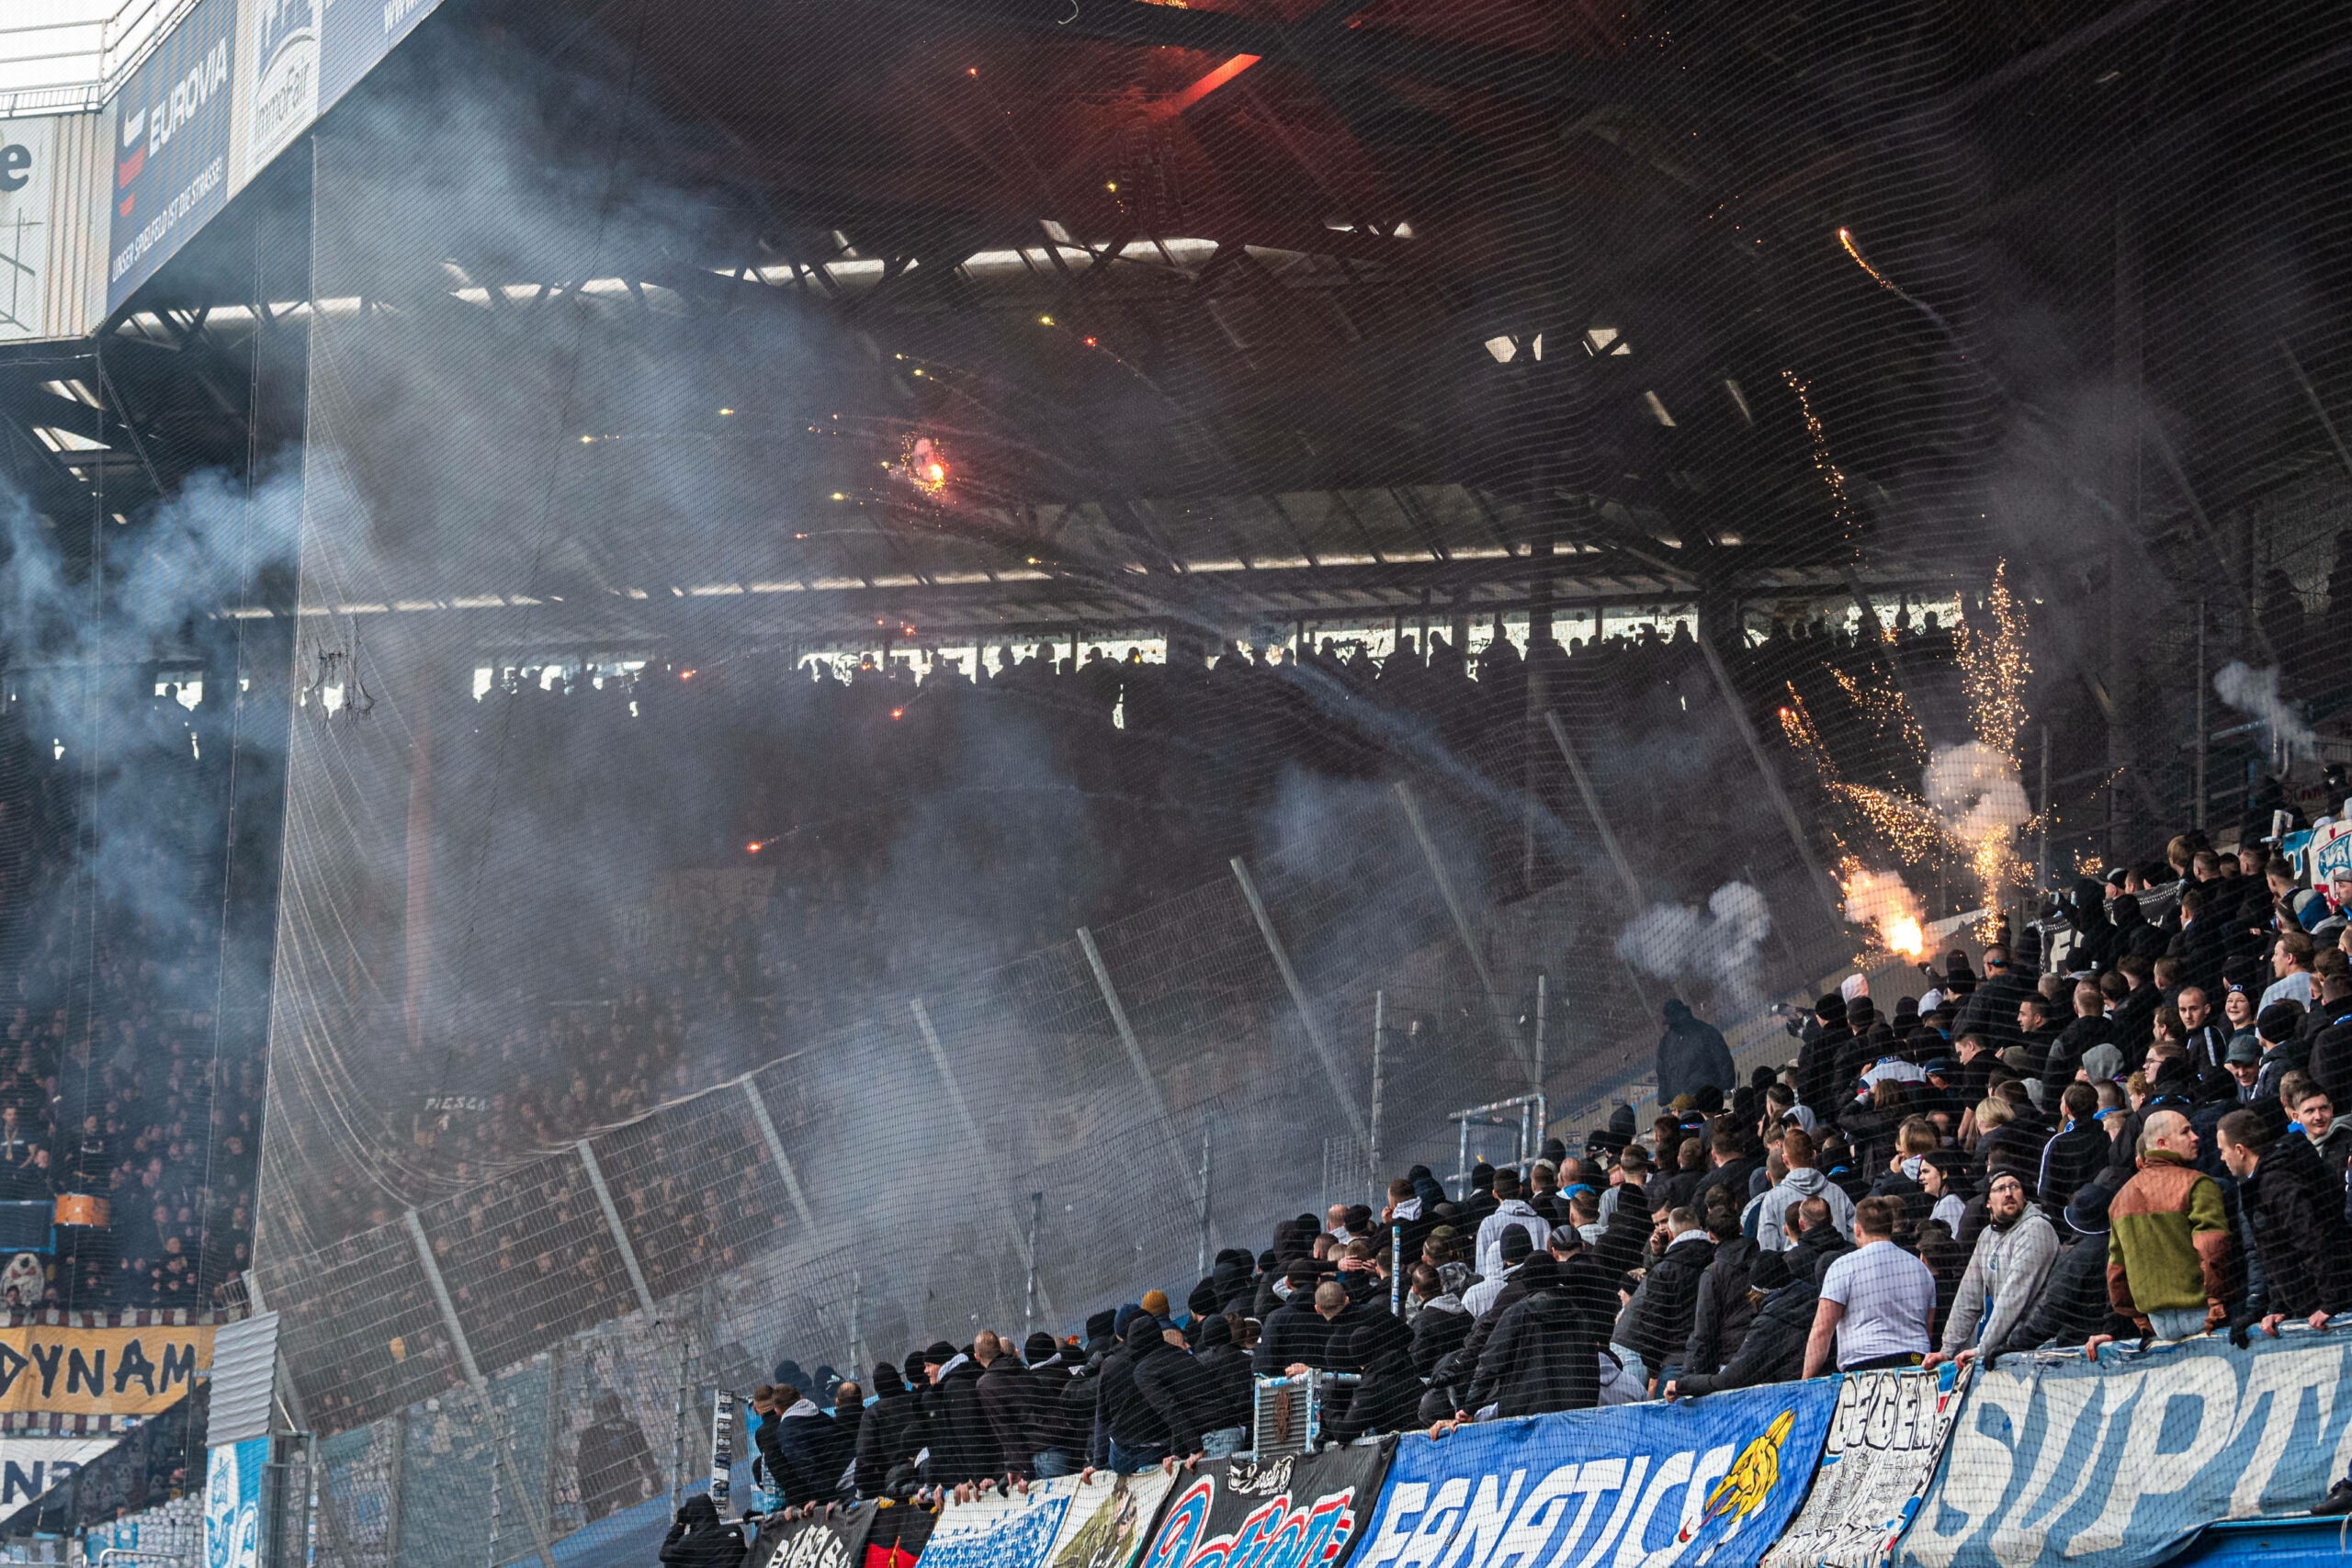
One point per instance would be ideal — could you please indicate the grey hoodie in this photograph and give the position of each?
(2005, 1277)
(1772, 1220)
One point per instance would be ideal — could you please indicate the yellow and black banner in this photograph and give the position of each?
(100, 1371)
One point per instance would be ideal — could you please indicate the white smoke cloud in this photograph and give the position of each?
(1975, 790)
(2254, 692)
(1720, 945)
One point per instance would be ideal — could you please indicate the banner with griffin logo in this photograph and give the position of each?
(1293, 1512)
(1707, 1481)
(1884, 1442)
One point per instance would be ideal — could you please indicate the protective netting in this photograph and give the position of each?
(700, 752)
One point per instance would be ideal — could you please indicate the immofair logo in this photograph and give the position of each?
(1588, 1512)
(1276, 1534)
(149, 129)
(287, 49)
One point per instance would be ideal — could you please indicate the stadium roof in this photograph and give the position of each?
(1572, 277)
(61, 55)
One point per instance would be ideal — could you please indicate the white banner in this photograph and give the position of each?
(1884, 1441)
(1055, 1523)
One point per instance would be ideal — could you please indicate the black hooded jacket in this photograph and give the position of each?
(1818, 1063)
(955, 1430)
(889, 1435)
(1180, 1391)
(696, 1539)
(1815, 1250)
(805, 1454)
(2295, 1207)
(1063, 1411)
(1692, 1053)
(1671, 1300)
(1773, 1349)
(1295, 1333)
(1545, 1353)
(1227, 1366)
(1390, 1395)
(2065, 1054)
(1232, 1281)
(1009, 1397)
(1991, 1010)
(1720, 1320)
(1439, 1332)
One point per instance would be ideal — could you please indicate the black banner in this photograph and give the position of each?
(1298, 1512)
(835, 1539)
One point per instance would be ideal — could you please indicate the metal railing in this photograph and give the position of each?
(1524, 1114)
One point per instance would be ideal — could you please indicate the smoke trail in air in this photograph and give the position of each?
(2254, 692)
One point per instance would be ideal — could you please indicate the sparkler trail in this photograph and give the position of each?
(1887, 707)
(1830, 473)
(1846, 238)
(1993, 667)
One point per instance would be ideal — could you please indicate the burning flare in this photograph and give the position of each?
(1880, 898)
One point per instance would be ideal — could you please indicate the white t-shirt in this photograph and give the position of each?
(1888, 1295)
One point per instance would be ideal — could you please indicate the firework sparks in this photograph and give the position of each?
(1831, 475)
(1994, 668)
(1846, 238)
(1970, 806)
(1907, 824)
(924, 465)
(1796, 724)
(1887, 707)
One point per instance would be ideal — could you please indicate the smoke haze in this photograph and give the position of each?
(1719, 945)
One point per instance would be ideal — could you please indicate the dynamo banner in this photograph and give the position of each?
(1100, 1522)
(1297, 1511)
(2122, 1463)
(1710, 1480)
(1884, 1440)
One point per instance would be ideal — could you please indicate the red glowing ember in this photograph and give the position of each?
(896, 712)
(754, 846)
(685, 674)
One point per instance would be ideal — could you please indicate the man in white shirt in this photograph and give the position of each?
(1878, 1301)
(1510, 1210)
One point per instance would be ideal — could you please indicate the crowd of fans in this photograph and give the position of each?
(147, 1115)
(132, 994)
(2129, 1137)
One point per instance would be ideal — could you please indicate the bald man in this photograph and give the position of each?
(2169, 1238)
